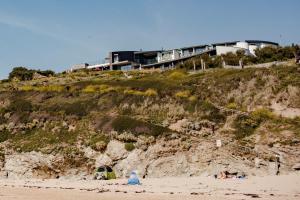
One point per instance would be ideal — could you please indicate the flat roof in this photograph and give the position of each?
(122, 51)
(224, 43)
(261, 41)
(196, 46)
(147, 52)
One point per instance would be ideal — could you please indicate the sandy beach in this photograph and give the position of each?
(270, 187)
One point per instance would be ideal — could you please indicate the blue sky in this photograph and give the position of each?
(55, 34)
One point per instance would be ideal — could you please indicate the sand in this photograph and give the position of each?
(269, 187)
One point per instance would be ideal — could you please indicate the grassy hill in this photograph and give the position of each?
(62, 113)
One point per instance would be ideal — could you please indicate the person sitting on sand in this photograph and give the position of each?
(223, 175)
(133, 179)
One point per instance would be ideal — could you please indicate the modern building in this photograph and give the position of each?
(126, 60)
(249, 46)
(78, 67)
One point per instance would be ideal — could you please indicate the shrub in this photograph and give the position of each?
(26, 88)
(262, 114)
(211, 112)
(102, 89)
(20, 105)
(137, 127)
(98, 142)
(233, 106)
(106, 89)
(46, 73)
(245, 126)
(21, 73)
(177, 75)
(114, 73)
(270, 54)
(150, 92)
(50, 88)
(24, 74)
(207, 106)
(4, 135)
(183, 94)
(231, 58)
(193, 98)
(129, 146)
(90, 89)
(134, 92)
(77, 108)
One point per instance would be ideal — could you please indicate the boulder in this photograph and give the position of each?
(71, 128)
(103, 159)
(18, 166)
(134, 161)
(7, 115)
(176, 165)
(296, 167)
(180, 125)
(116, 150)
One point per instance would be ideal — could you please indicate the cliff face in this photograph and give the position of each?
(159, 123)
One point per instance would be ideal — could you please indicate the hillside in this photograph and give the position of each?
(160, 123)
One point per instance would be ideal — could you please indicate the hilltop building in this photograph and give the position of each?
(126, 60)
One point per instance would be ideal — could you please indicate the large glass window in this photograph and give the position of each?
(116, 57)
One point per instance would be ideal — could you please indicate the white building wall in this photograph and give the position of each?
(176, 54)
(224, 50)
(159, 57)
(252, 49)
(263, 45)
(243, 45)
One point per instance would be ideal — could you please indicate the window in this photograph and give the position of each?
(116, 57)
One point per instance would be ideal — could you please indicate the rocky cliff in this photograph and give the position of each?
(170, 123)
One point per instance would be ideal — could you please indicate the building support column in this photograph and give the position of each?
(194, 64)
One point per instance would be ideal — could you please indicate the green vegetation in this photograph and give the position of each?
(20, 105)
(210, 112)
(129, 146)
(183, 94)
(24, 74)
(245, 126)
(40, 140)
(97, 142)
(177, 75)
(77, 108)
(233, 106)
(48, 88)
(137, 127)
(100, 103)
(264, 55)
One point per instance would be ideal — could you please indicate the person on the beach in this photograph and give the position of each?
(277, 165)
(133, 179)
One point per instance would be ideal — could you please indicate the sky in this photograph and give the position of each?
(56, 34)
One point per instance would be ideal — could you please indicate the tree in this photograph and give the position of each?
(46, 73)
(24, 74)
(21, 73)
